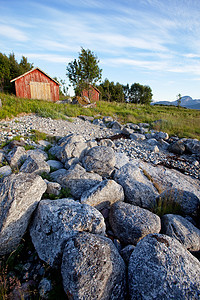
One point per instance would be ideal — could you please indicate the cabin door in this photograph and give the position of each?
(40, 90)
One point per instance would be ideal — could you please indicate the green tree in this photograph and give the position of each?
(4, 72)
(179, 100)
(10, 69)
(84, 71)
(24, 65)
(111, 92)
(140, 94)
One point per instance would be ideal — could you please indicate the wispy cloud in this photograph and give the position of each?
(54, 58)
(13, 33)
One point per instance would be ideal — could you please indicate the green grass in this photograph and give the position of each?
(181, 122)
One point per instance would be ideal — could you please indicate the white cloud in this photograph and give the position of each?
(13, 33)
(55, 58)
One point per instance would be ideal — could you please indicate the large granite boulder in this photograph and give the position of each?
(166, 178)
(19, 196)
(93, 269)
(37, 154)
(161, 268)
(56, 221)
(72, 145)
(131, 223)
(177, 147)
(103, 195)
(137, 188)
(76, 179)
(5, 171)
(16, 156)
(181, 229)
(192, 146)
(35, 166)
(100, 159)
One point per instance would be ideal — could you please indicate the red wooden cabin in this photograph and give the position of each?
(36, 84)
(92, 93)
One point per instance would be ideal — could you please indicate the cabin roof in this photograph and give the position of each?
(32, 71)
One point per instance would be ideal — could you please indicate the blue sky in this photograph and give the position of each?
(152, 42)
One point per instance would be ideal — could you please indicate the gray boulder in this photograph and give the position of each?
(35, 166)
(37, 154)
(53, 188)
(93, 269)
(137, 137)
(187, 201)
(5, 171)
(16, 156)
(58, 175)
(192, 146)
(54, 164)
(72, 145)
(131, 223)
(103, 195)
(77, 180)
(71, 162)
(2, 156)
(56, 221)
(181, 229)
(106, 143)
(166, 178)
(126, 253)
(116, 125)
(137, 188)
(161, 268)
(19, 194)
(100, 160)
(161, 135)
(177, 147)
(121, 159)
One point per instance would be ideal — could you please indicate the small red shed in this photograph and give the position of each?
(36, 84)
(92, 93)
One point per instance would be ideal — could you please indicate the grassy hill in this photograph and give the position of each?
(182, 122)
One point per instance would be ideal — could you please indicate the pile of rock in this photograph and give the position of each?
(135, 140)
(107, 228)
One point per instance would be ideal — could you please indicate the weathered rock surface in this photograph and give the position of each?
(16, 156)
(35, 166)
(56, 221)
(166, 178)
(137, 188)
(73, 145)
(5, 171)
(161, 268)
(126, 253)
(131, 223)
(54, 164)
(121, 160)
(181, 229)
(37, 154)
(77, 180)
(137, 137)
(103, 195)
(53, 187)
(193, 146)
(19, 196)
(188, 202)
(100, 160)
(2, 156)
(177, 147)
(93, 269)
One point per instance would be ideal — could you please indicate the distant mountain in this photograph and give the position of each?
(186, 101)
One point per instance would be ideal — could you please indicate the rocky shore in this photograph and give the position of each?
(151, 148)
(112, 210)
